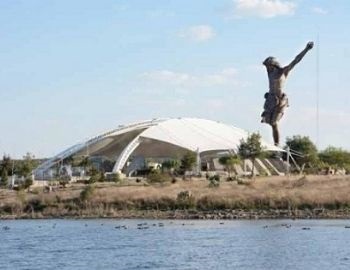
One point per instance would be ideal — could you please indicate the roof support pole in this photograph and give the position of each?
(124, 156)
(198, 162)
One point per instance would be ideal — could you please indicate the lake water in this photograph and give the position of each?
(194, 244)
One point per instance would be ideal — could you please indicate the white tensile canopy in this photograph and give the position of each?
(158, 138)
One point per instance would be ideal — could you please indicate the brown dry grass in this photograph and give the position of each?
(330, 192)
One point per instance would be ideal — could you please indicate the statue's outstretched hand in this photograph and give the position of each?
(309, 45)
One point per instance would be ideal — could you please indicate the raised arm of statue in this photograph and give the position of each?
(298, 58)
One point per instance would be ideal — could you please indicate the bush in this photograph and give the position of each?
(216, 177)
(87, 193)
(4, 178)
(304, 146)
(243, 182)
(158, 177)
(183, 195)
(188, 161)
(185, 200)
(36, 205)
(213, 183)
(115, 177)
(28, 182)
(96, 177)
(102, 177)
(233, 178)
(24, 185)
(63, 183)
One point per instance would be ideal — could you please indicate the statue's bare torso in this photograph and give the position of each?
(275, 100)
(276, 81)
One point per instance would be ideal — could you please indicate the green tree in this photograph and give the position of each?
(188, 161)
(6, 164)
(229, 162)
(5, 170)
(251, 148)
(86, 164)
(306, 148)
(27, 165)
(28, 182)
(170, 165)
(4, 178)
(336, 157)
(95, 176)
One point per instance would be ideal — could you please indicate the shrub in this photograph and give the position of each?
(87, 193)
(156, 176)
(24, 185)
(213, 183)
(36, 205)
(63, 183)
(231, 179)
(115, 177)
(183, 195)
(102, 177)
(216, 177)
(170, 165)
(306, 148)
(185, 200)
(95, 177)
(240, 181)
(188, 161)
(4, 178)
(229, 162)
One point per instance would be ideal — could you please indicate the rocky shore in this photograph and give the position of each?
(194, 214)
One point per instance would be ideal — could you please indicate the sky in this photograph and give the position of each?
(73, 69)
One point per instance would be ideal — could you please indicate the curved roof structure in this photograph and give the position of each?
(158, 138)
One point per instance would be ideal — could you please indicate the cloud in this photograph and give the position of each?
(263, 8)
(198, 33)
(226, 76)
(319, 10)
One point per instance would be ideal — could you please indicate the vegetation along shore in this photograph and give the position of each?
(197, 198)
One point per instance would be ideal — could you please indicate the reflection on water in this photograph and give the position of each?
(155, 244)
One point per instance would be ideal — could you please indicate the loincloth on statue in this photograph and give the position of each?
(274, 107)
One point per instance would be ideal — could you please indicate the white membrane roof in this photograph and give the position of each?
(194, 134)
(202, 134)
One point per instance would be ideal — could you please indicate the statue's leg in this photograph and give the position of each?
(276, 134)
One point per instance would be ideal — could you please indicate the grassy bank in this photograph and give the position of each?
(270, 197)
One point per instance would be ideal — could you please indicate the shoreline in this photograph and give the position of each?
(197, 215)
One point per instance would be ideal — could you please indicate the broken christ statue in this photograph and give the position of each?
(275, 100)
